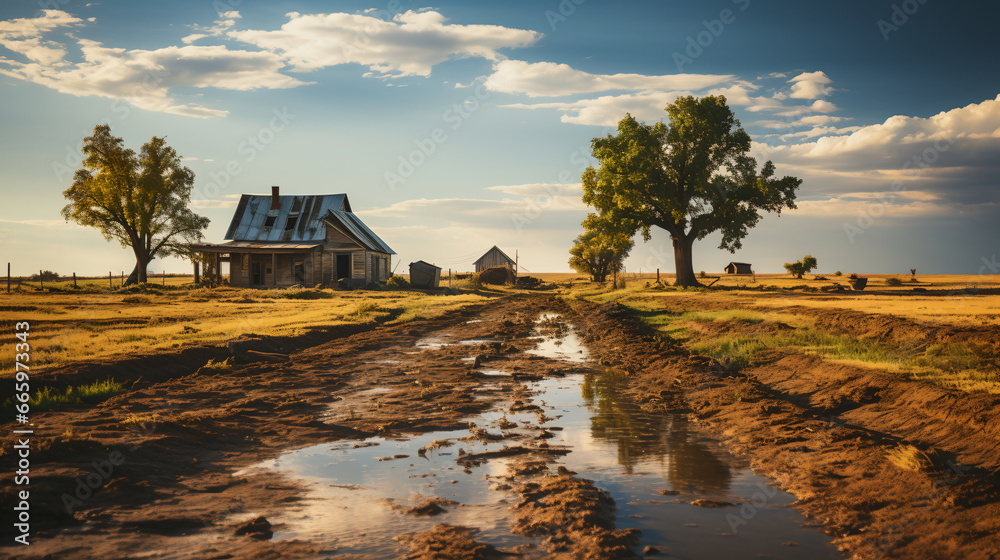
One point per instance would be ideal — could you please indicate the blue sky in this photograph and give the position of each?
(454, 126)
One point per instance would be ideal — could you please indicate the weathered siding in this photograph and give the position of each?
(493, 257)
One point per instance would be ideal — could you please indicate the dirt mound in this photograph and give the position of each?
(447, 541)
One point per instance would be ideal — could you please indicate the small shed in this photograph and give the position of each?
(494, 257)
(739, 268)
(424, 275)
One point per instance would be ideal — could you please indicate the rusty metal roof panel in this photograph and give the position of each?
(355, 228)
(298, 219)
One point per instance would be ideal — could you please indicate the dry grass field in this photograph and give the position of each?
(69, 326)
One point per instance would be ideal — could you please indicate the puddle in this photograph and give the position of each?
(562, 344)
(346, 503)
(432, 342)
(631, 454)
(635, 455)
(441, 342)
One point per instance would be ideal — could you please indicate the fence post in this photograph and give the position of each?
(74, 280)
(8, 278)
(164, 278)
(657, 276)
(110, 285)
(41, 281)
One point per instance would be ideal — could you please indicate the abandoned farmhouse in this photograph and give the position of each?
(280, 241)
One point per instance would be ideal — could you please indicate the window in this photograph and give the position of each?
(269, 221)
(293, 217)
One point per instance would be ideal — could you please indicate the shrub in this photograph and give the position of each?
(838, 273)
(818, 277)
(397, 282)
(45, 275)
(702, 274)
(306, 293)
(223, 365)
(799, 268)
(893, 281)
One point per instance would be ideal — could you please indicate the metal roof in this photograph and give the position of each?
(255, 221)
(424, 265)
(353, 227)
(243, 246)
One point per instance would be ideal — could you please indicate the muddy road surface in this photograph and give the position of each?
(526, 427)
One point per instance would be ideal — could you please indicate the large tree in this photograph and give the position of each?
(601, 249)
(140, 200)
(690, 177)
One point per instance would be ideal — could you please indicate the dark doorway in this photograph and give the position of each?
(299, 270)
(343, 266)
(257, 274)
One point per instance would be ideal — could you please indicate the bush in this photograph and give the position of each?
(397, 282)
(818, 277)
(529, 282)
(46, 275)
(306, 293)
(702, 274)
(838, 273)
(893, 281)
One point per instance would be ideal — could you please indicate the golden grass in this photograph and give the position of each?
(910, 458)
(968, 366)
(68, 327)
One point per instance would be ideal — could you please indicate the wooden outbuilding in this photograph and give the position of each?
(280, 241)
(739, 268)
(494, 257)
(424, 275)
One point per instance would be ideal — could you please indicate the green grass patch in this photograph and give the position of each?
(47, 398)
(968, 366)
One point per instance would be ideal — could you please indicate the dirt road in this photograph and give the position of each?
(153, 470)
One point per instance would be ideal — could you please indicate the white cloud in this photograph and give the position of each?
(892, 137)
(819, 131)
(144, 78)
(889, 208)
(409, 45)
(24, 36)
(810, 85)
(549, 79)
(541, 189)
(609, 109)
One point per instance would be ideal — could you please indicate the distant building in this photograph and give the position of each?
(494, 257)
(424, 275)
(739, 268)
(281, 241)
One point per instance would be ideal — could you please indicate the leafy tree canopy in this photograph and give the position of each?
(801, 267)
(601, 249)
(139, 200)
(691, 177)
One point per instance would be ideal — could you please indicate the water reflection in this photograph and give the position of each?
(641, 437)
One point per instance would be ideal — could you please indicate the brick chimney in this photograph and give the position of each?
(275, 199)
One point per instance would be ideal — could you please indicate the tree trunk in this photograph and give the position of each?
(683, 263)
(133, 277)
(138, 274)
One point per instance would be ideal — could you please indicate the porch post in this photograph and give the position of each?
(274, 270)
